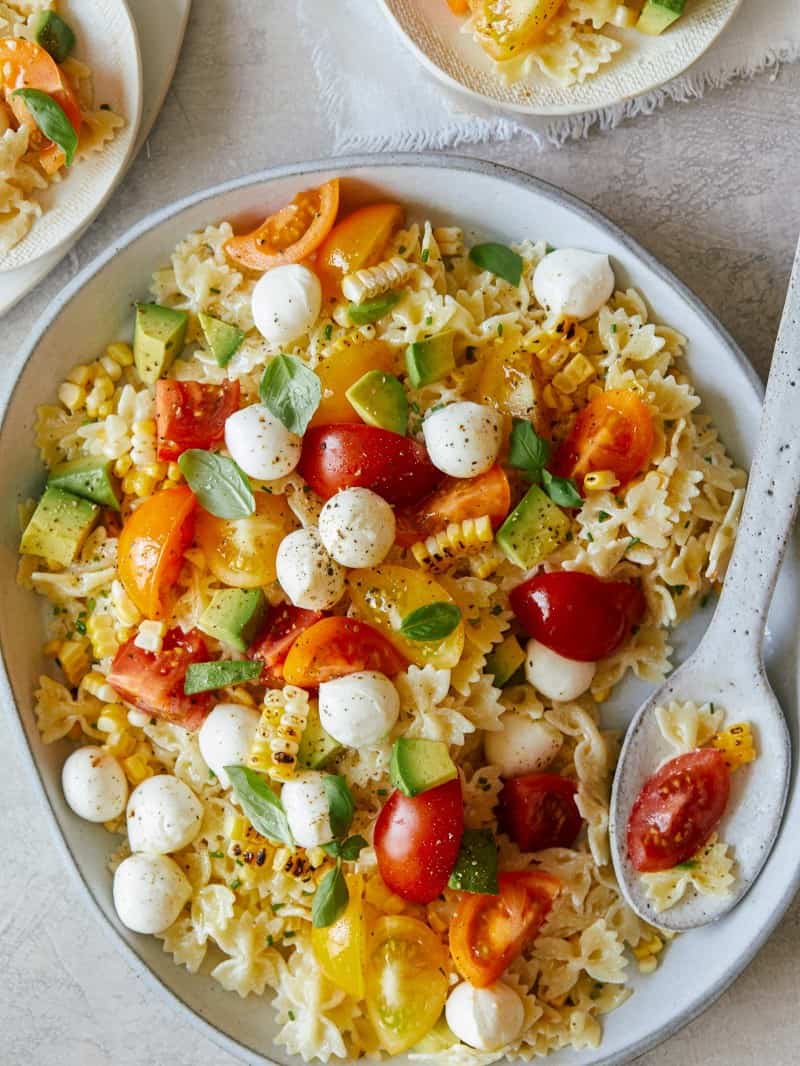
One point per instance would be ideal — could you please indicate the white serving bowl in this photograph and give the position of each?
(488, 201)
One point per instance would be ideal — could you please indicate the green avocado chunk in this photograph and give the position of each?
(223, 339)
(658, 15)
(317, 747)
(53, 34)
(90, 478)
(203, 677)
(158, 339)
(59, 526)
(476, 866)
(380, 400)
(418, 765)
(234, 616)
(504, 660)
(533, 530)
(430, 360)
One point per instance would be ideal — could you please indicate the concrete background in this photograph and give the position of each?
(710, 187)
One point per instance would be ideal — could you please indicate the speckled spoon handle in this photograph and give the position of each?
(771, 501)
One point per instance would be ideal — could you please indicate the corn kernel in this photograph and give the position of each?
(155, 470)
(576, 373)
(52, 648)
(600, 480)
(121, 353)
(736, 744)
(145, 427)
(601, 695)
(122, 465)
(80, 375)
(136, 769)
(174, 472)
(113, 718)
(72, 396)
(96, 685)
(73, 658)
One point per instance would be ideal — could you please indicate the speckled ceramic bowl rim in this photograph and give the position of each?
(156, 218)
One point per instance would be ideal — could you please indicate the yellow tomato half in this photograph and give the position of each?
(511, 380)
(505, 27)
(241, 551)
(349, 361)
(341, 948)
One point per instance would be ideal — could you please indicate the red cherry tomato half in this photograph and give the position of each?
(455, 500)
(192, 415)
(335, 647)
(283, 626)
(154, 682)
(678, 809)
(488, 932)
(417, 841)
(538, 811)
(578, 615)
(352, 454)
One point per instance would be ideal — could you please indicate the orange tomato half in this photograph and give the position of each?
(458, 7)
(355, 242)
(335, 647)
(456, 500)
(151, 548)
(291, 234)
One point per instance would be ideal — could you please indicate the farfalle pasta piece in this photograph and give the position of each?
(709, 872)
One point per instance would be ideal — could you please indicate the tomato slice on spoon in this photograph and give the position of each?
(191, 414)
(335, 647)
(283, 626)
(539, 811)
(152, 545)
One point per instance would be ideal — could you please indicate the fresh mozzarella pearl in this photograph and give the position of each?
(358, 709)
(554, 676)
(485, 1018)
(463, 439)
(94, 785)
(306, 573)
(357, 527)
(163, 815)
(149, 892)
(261, 444)
(226, 737)
(306, 804)
(574, 283)
(523, 746)
(286, 303)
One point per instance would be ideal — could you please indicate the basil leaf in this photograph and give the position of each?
(51, 120)
(260, 804)
(330, 899)
(561, 490)
(54, 35)
(372, 310)
(340, 803)
(499, 259)
(202, 677)
(352, 848)
(476, 866)
(432, 622)
(527, 450)
(291, 392)
(219, 485)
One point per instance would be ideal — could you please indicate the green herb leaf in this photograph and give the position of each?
(260, 804)
(561, 490)
(527, 450)
(432, 622)
(291, 392)
(330, 899)
(50, 118)
(203, 677)
(499, 259)
(53, 34)
(347, 850)
(690, 864)
(340, 803)
(476, 866)
(372, 310)
(219, 485)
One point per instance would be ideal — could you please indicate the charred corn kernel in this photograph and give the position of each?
(123, 465)
(277, 740)
(459, 539)
(72, 396)
(485, 562)
(121, 353)
(150, 636)
(246, 845)
(573, 333)
(95, 684)
(450, 240)
(600, 480)
(736, 744)
(74, 659)
(100, 630)
(52, 648)
(136, 769)
(125, 609)
(576, 373)
(80, 375)
(372, 281)
(280, 858)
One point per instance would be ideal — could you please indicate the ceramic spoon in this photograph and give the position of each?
(728, 666)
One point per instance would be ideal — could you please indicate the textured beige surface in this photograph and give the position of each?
(710, 187)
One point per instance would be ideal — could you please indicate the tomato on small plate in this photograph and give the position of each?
(152, 545)
(334, 647)
(539, 811)
(417, 841)
(192, 414)
(578, 615)
(355, 242)
(488, 932)
(283, 625)
(455, 500)
(677, 810)
(154, 682)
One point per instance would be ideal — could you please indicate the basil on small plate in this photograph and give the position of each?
(219, 485)
(291, 392)
(435, 621)
(49, 116)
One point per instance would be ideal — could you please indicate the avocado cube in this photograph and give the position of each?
(658, 15)
(430, 360)
(476, 866)
(533, 530)
(234, 617)
(317, 746)
(59, 526)
(380, 400)
(158, 339)
(417, 765)
(223, 339)
(53, 34)
(90, 478)
(504, 660)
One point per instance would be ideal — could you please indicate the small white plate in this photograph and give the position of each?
(107, 42)
(433, 34)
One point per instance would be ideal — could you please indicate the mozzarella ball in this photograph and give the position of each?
(570, 282)
(524, 745)
(357, 527)
(306, 804)
(163, 815)
(485, 1018)
(94, 785)
(554, 676)
(149, 892)
(358, 709)
(260, 443)
(306, 573)
(286, 303)
(226, 737)
(463, 439)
